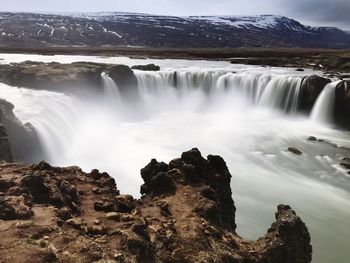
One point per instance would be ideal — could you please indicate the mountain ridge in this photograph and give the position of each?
(147, 30)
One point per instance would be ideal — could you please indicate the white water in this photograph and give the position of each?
(324, 105)
(111, 90)
(241, 117)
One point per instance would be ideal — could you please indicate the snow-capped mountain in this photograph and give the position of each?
(132, 29)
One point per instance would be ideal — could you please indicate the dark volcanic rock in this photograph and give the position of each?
(288, 229)
(148, 67)
(14, 207)
(22, 139)
(294, 150)
(342, 104)
(186, 214)
(311, 88)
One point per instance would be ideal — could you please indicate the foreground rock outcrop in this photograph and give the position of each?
(186, 214)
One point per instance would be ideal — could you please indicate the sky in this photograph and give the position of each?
(310, 12)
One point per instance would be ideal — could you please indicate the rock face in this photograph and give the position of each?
(148, 67)
(186, 214)
(77, 77)
(5, 148)
(311, 88)
(342, 104)
(22, 142)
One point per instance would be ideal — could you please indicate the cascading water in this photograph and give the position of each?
(111, 90)
(324, 105)
(266, 90)
(236, 115)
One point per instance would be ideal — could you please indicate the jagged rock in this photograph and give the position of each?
(148, 67)
(311, 88)
(157, 181)
(14, 207)
(288, 229)
(192, 168)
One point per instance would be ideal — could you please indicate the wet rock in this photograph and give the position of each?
(342, 104)
(294, 151)
(346, 159)
(345, 165)
(148, 67)
(311, 88)
(312, 138)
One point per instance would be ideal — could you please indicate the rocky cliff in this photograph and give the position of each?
(186, 214)
(18, 141)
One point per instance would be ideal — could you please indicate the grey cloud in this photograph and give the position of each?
(331, 12)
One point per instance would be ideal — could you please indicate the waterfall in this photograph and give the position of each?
(324, 105)
(272, 91)
(111, 90)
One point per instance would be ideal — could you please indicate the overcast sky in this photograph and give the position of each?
(312, 12)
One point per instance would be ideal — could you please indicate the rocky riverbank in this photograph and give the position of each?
(186, 214)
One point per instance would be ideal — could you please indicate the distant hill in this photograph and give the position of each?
(142, 30)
